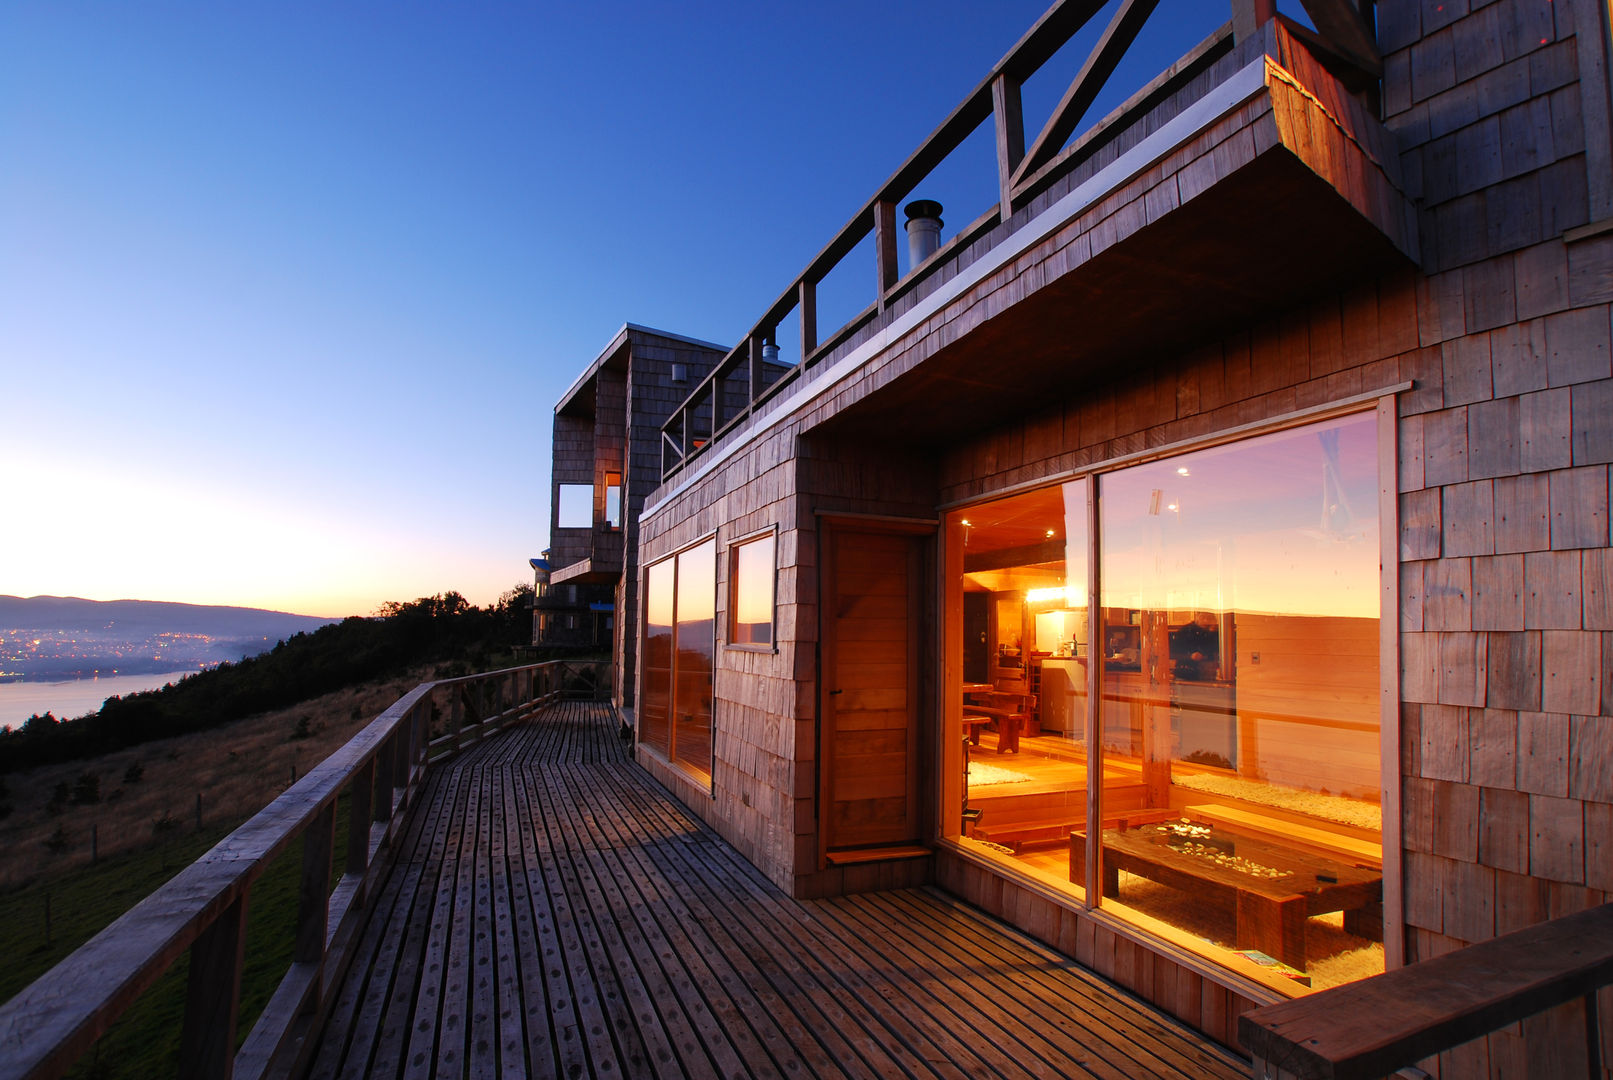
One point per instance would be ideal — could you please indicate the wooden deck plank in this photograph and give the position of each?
(558, 914)
(360, 996)
(748, 900)
(791, 1041)
(1057, 987)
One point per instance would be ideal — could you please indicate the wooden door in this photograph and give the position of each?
(870, 691)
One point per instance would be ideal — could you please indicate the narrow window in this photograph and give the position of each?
(613, 500)
(679, 649)
(750, 593)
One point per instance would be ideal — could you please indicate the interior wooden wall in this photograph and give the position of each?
(1321, 673)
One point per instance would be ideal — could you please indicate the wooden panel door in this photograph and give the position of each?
(870, 722)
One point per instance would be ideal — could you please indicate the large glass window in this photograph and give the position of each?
(1234, 642)
(750, 593)
(679, 649)
(576, 506)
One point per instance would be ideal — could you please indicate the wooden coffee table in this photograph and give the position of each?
(1270, 889)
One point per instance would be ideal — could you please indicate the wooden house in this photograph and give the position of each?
(1201, 558)
(607, 458)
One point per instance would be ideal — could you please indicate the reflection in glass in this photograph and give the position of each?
(576, 509)
(696, 645)
(1240, 715)
(654, 727)
(751, 602)
(1022, 600)
(1236, 638)
(613, 500)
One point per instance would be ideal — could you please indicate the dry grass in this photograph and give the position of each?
(236, 769)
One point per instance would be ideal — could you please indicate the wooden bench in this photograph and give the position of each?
(1373, 1027)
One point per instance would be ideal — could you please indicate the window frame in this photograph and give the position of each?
(1383, 404)
(560, 505)
(610, 489)
(706, 779)
(732, 588)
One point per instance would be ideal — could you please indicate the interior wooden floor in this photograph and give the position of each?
(553, 912)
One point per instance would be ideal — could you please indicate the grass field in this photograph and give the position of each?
(238, 769)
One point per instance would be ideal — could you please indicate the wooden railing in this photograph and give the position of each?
(1373, 1027)
(740, 384)
(202, 909)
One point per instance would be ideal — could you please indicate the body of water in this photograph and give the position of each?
(66, 700)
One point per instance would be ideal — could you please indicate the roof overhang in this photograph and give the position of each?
(584, 572)
(1284, 189)
(579, 396)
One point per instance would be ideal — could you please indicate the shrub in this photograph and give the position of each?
(87, 789)
(134, 773)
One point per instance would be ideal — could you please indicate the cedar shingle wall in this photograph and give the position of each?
(1506, 579)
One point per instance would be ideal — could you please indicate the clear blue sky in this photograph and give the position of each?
(288, 291)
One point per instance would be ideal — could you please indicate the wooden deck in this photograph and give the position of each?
(553, 912)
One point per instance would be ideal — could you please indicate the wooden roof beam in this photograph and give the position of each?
(1117, 38)
(1340, 24)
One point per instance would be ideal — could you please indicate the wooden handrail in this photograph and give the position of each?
(1378, 1025)
(1021, 178)
(55, 1019)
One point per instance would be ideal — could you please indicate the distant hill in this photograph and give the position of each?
(151, 616)
(65, 637)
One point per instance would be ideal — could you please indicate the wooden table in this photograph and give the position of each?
(1271, 889)
(1010, 722)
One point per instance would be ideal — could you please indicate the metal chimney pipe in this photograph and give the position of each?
(923, 230)
(769, 351)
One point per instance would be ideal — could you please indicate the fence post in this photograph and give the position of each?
(382, 809)
(359, 808)
(213, 997)
(313, 905)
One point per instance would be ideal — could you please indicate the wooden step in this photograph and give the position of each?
(879, 854)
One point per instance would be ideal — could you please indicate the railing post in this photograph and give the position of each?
(213, 997)
(361, 801)
(757, 374)
(885, 246)
(808, 309)
(457, 699)
(1010, 124)
(400, 767)
(381, 808)
(313, 905)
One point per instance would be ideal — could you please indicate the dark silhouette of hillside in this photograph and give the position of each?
(432, 629)
(151, 616)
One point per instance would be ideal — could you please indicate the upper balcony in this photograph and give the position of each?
(1251, 175)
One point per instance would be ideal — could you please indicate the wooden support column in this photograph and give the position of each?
(808, 307)
(885, 246)
(1010, 124)
(1156, 710)
(213, 997)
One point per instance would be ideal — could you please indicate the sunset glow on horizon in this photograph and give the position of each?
(288, 293)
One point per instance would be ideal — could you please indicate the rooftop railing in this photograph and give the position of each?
(202, 910)
(740, 385)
